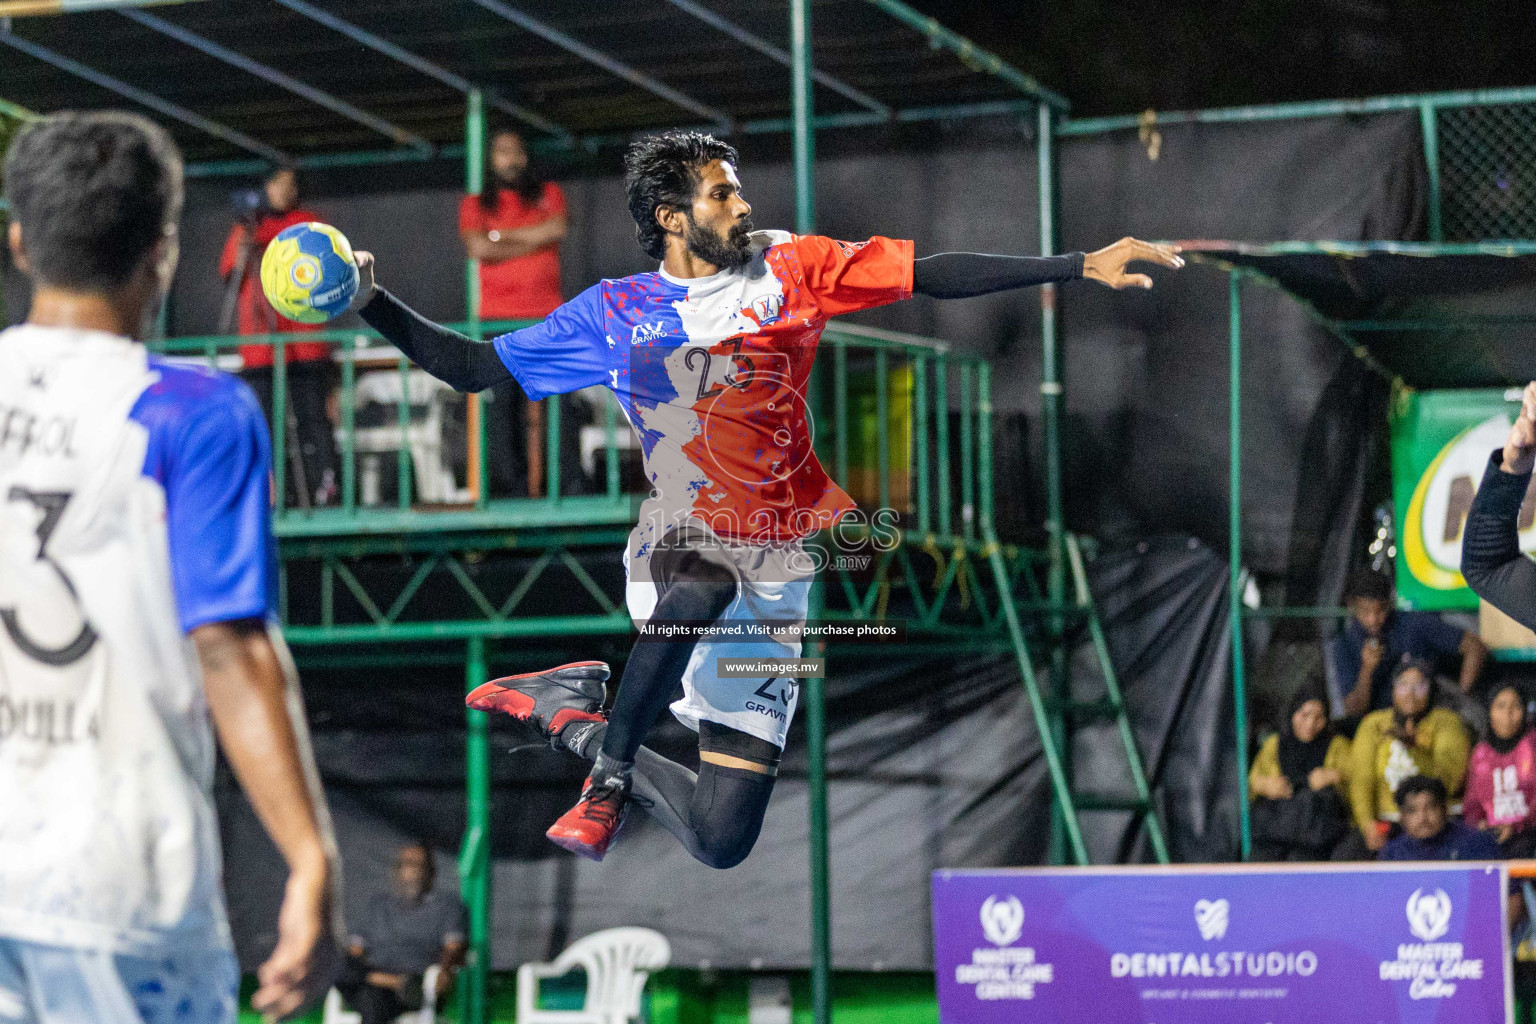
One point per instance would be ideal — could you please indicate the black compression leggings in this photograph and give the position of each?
(718, 813)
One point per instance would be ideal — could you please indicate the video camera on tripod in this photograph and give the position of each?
(250, 205)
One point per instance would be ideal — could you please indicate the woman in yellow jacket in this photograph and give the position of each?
(1409, 738)
(1299, 785)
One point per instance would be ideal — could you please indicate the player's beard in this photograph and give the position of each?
(728, 252)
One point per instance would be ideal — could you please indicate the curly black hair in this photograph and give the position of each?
(93, 192)
(665, 170)
(530, 184)
(1370, 584)
(1421, 784)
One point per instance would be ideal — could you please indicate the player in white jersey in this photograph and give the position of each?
(137, 572)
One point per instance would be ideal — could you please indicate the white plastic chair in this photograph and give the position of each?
(594, 439)
(617, 961)
(336, 1011)
(423, 435)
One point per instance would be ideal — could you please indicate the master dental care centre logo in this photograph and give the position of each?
(1003, 970)
(1211, 918)
(1430, 967)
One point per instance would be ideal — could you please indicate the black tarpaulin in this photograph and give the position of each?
(1456, 316)
(1163, 605)
(1147, 374)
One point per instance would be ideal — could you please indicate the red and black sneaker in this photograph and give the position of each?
(549, 700)
(588, 828)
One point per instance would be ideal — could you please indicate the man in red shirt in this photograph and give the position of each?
(312, 469)
(514, 228)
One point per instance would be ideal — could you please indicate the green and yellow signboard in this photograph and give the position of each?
(1440, 445)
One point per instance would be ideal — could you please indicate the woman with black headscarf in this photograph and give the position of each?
(1298, 783)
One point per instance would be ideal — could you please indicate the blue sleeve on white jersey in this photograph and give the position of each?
(209, 449)
(565, 352)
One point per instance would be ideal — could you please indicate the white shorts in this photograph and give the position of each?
(773, 585)
(59, 985)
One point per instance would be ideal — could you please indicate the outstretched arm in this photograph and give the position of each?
(460, 362)
(958, 275)
(258, 712)
(1491, 560)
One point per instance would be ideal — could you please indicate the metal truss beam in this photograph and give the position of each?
(139, 96)
(776, 53)
(948, 596)
(426, 67)
(281, 80)
(607, 63)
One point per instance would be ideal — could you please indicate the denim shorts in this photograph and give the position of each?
(60, 985)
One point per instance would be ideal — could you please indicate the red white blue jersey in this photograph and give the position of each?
(134, 507)
(712, 372)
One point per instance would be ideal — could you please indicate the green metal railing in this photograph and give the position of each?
(349, 512)
(882, 382)
(906, 426)
(1237, 578)
(803, 145)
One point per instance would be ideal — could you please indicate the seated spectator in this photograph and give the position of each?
(1378, 637)
(1412, 737)
(403, 932)
(1429, 833)
(1298, 785)
(1501, 779)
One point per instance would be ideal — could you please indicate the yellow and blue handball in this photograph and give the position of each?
(308, 273)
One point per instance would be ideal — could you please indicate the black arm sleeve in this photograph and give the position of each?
(1491, 560)
(959, 275)
(462, 363)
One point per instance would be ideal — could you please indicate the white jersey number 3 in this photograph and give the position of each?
(51, 504)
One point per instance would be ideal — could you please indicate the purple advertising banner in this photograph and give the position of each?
(1367, 944)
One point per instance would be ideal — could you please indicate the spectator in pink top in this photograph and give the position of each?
(1501, 779)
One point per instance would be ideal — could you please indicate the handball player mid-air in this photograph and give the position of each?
(138, 582)
(708, 356)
